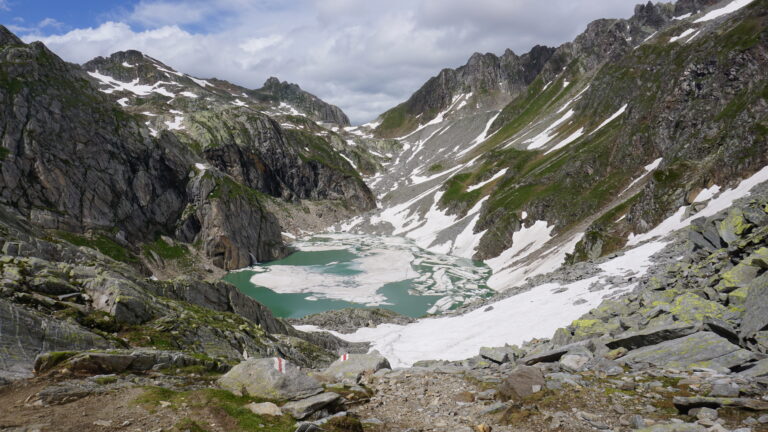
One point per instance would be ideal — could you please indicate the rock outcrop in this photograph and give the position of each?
(292, 94)
(271, 378)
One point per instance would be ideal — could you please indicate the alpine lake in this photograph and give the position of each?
(336, 271)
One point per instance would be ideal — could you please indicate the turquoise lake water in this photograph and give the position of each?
(337, 271)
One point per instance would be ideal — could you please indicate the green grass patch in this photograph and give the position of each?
(166, 251)
(102, 243)
(745, 35)
(4, 152)
(106, 380)
(228, 188)
(220, 402)
(147, 336)
(435, 168)
(393, 120)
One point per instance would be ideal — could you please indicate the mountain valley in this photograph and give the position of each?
(571, 239)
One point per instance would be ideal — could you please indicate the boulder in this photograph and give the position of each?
(100, 363)
(756, 314)
(651, 336)
(270, 378)
(546, 356)
(573, 362)
(265, 408)
(523, 381)
(704, 236)
(702, 349)
(692, 309)
(354, 365)
(303, 408)
(760, 369)
(725, 390)
(733, 226)
(500, 355)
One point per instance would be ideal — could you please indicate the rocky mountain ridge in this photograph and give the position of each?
(131, 73)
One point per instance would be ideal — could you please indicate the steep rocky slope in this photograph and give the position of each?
(616, 131)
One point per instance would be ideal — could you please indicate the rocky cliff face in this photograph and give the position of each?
(74, 161)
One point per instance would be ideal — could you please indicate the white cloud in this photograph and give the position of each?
(255, 45)
(365, 56)
(49, 22)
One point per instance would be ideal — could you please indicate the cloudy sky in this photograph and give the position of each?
(363, 55)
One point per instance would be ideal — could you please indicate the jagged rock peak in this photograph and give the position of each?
(8, 38)
(293, 94)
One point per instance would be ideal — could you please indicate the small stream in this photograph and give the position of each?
(335, 271)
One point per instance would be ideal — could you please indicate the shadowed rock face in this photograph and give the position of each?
(265, 157)
(72, 159)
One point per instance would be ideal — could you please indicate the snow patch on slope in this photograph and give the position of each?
(613, 117)
(725, 10)
(546, 136)
(483, 183)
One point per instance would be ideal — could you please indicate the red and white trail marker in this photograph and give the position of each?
(344, 357)
(280, 364)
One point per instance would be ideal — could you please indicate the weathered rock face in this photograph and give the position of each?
(119, 361)
(26, 334)
(74, 161)
(230, 221)
(292, 94)
(233, 128)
